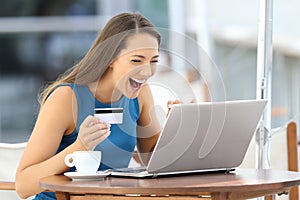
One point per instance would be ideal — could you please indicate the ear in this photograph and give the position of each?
(111, 65)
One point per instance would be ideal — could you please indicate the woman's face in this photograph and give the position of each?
(135, 64)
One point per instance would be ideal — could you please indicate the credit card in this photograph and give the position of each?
(109, 115)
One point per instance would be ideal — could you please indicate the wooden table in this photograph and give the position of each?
(241, 184)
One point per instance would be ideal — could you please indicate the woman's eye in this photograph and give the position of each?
(135, 61)
(154, 61)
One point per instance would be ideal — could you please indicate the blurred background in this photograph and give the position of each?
(41, 39)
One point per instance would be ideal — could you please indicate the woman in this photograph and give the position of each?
(113, 73)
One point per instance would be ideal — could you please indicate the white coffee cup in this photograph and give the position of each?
(85, 162)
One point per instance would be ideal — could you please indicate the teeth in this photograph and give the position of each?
(139, 81)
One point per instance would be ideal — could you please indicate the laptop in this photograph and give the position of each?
(202, 137)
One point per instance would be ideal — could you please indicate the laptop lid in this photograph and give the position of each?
(205, 136)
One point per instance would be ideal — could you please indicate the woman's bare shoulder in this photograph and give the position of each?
(60, 105)
(61, 95)
(145, 95)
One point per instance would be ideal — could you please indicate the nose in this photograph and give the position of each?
(146, 70)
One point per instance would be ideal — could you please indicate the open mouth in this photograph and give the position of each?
(136, 83)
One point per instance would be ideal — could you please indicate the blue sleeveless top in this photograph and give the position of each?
(117, 149)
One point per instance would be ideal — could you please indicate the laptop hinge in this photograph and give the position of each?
(154, 175)
(228, 170)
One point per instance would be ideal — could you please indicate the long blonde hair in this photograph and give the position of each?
(106, 47)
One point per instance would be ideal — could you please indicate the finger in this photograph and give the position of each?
(193, 101)
(169, 104)
(98, 120)
(177, 102)
(102, 136)
(99, 139)
(96, 134)
(97, 127)
(88, 121)
(92, 135)
(89, 133)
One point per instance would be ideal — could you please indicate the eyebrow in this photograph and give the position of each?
(141, 56)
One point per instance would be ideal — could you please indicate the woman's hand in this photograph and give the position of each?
(170, 103)
(92, 131)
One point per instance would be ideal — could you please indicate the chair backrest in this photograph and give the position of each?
(284, 140)
(10, 156)
(292, 140)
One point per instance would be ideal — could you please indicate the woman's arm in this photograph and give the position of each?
(55, 119)
(148, 128)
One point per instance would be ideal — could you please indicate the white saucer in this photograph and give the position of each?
(75, 176)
